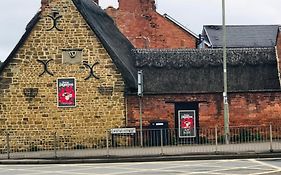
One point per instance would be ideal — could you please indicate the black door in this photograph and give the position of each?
(187, 122)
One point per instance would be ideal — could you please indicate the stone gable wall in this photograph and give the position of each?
(100, 102)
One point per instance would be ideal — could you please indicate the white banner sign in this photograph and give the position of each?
(123, 131)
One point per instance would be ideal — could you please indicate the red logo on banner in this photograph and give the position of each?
(66, 95)
(187, 122)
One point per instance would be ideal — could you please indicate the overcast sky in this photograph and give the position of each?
(15, 14)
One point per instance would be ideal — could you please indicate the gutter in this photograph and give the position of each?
(204, 92)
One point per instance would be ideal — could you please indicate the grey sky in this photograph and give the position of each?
(15, 14)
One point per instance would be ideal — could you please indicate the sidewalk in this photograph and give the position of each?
(142, 158)
(139, 154)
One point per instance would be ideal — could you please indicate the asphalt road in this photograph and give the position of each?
(210, 167)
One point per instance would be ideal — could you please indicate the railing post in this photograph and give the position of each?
(55, 145)
(216, 138)
(107, 144)
(161, 141)
(270, 133)
(8, 144)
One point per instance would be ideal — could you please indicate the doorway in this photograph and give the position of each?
(187, 121)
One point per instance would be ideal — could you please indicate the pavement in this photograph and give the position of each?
(115, 159)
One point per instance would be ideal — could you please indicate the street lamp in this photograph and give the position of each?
(225, 100)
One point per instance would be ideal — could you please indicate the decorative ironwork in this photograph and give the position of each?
(30, 93)
(45, 64)
(92, 74)
(55, 17)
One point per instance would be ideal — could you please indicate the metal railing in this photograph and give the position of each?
(16, 144)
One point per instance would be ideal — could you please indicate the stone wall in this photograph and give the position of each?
(245, 108)
(145, 28)
(100, 102)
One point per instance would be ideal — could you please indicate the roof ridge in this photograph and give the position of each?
(199, 50)
(243, 25)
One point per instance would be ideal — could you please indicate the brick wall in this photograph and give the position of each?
(145, 28)
(95, 111)
(245, 108)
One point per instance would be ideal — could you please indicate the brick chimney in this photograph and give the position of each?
(44, 4)
(137, 5)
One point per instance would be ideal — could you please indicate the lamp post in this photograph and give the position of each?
(225, 100)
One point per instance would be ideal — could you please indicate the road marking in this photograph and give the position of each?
(255, 166)
(215, 167)
(277, 169)
(265, 164)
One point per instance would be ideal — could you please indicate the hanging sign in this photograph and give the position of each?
(66, 92)
(187, 123)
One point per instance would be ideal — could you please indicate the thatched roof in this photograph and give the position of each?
(201, 70)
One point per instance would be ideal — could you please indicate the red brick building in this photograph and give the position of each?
(191, 80)
(139, 21)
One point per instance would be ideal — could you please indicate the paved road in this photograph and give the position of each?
(210, 167)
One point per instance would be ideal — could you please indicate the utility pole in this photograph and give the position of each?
(225, 100)
(140, 94)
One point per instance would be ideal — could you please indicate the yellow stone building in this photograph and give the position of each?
(67, 76)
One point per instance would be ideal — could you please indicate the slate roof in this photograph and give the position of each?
(200, 70)
(242, 35)
(116, 44)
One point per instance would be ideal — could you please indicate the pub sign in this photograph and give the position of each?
(66, 92)
(187, 123)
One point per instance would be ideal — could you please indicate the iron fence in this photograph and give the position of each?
(17, 144)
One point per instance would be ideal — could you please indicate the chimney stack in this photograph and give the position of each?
(137, 5)
(44, 4)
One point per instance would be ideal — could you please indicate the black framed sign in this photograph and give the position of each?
(66, 92)
(187, 123)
